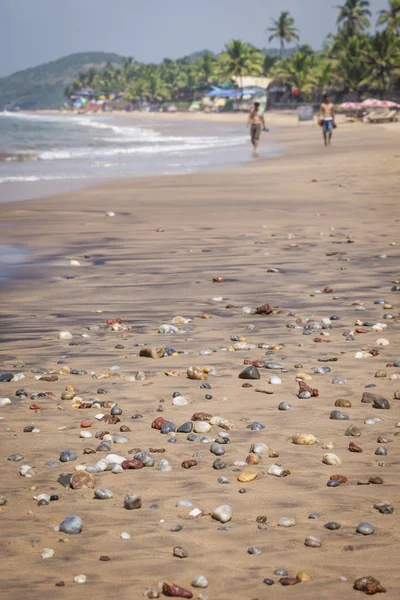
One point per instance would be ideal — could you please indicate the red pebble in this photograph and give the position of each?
(158, 423)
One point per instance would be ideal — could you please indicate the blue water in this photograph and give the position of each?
(42, 154)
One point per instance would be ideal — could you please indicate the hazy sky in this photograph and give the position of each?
(37, 31)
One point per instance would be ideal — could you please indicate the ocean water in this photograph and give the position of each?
(42, 154)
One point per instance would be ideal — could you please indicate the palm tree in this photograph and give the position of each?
(284, 30)
(352, 70)
(391, 17)
(353, 17)
(299, 72)
(382, 57)
(205, 68)
(240, 59)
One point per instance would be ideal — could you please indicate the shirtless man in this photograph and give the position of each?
(255, 121)
(327, 116)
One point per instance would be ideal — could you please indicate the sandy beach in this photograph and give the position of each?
(320, 219)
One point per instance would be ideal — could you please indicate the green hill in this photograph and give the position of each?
(43, 86)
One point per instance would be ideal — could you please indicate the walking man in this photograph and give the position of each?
(327, 118)
(255, 121)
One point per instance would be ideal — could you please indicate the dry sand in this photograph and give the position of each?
(154, 260)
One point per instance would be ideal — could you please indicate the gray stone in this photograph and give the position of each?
(250, 373)
(365, 529)
(72, 525)
(68, 455)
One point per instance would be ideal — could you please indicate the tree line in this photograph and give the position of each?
(353, 60)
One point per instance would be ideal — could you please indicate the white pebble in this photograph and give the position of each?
(18, 377)
(286, 522)
(275, 380)
(47, 553)
(382, 342)
(125, 535)
(65, 335)
(222, 513)
(4, 401)
(180, 401)
(201, 427)
(85, 434)
(275, 470)
(80, 578)
(331, 459)
(74, 263)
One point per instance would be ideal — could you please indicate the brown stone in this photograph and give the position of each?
(260, 364)
(247, 385)
(218, 279)
(369, 585)
(375, 480)
(188, 464)
(175, 591)
(152, 352)
(49, 378)
(321, 341)
(341, 478)
(132, 464)
(303, 387)
(201, 416)
(111, 419)
(252, 459)
(354, 448)
(342, 403)
(156, 449)
(273, 454)
(85, 424)
(158, 423)
(81, 480)
(289, 580)
(265, 309)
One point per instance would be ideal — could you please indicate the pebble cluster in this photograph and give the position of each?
(112, 447)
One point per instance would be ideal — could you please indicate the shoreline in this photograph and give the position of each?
(279, 232)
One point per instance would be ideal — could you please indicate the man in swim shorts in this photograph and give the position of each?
(327, 116)
(256, 122)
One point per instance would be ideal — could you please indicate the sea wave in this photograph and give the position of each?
(32, 178)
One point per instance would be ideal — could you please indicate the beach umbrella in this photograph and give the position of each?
(371, 103)
(351, 105)
(388, 104)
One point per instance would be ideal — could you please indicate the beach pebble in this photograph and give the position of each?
(331, 459)
(80, 578)
(369, 585)
(303, 439)
(132, 501)
(275, 380)
(4, 402)
(312, 541)
(125, 535)
(103, 494)
(276, 470)
(222, 513)
(65, 335)
(285, 406)
(72, 525)
(201, 427)
(180, 552)
(199, 581)
(254, 550)
(286, 522)
(250, 373)
(332, 525)
(47, 553)
(365, 529)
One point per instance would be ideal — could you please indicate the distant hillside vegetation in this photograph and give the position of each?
(43, 86)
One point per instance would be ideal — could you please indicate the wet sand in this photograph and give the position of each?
(155, 259)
